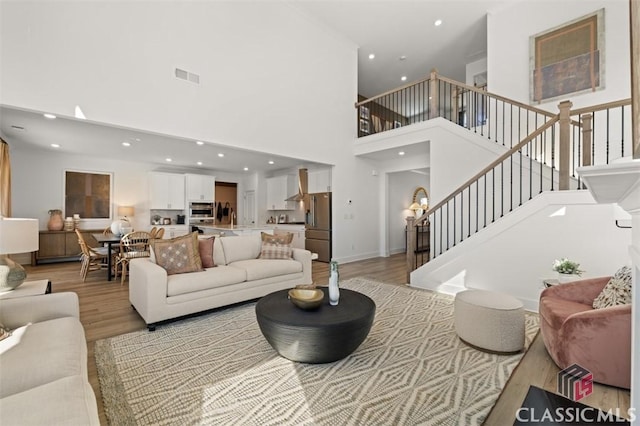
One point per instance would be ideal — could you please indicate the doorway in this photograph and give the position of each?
(226, 202)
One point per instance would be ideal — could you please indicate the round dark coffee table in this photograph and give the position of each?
(326, 334)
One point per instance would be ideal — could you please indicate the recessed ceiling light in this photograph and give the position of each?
(199, 163)
(199, 142)
(270, 161)
(371, 56)
(55, 145)
(126, 144)
(220, 155)
(245, 169)
(438, 22)
(401, 153)
(49, 116)
(403, 57)
(168, 160)
(403, 78)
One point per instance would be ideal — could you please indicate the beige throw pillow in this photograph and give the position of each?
(178, 255)
(617, 291)
(276, 251)
(4, 332)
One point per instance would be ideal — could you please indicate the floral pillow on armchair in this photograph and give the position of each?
(617, 291)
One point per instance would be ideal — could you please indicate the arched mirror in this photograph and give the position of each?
(420, 202)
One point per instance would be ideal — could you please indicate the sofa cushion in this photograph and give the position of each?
(67, 401)
(205, 248)
(212, 278)
(178, 255)
(40, 353)
(617, 291)
(276, 251)
(257, 269)
(555, 310)
(242, 247)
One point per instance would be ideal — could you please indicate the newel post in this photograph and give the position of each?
(585, 119)
(433, 94)
(411, 246)
(564, 150)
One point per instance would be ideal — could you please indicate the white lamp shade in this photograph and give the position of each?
(125, 211)
(18, 235)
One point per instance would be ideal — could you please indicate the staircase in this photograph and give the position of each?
(540, 151)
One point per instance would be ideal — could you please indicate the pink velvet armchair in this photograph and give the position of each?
(596, 339)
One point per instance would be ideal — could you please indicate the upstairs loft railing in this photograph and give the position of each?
(542, 151)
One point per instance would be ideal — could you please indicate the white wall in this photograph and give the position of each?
(270, 79)
(509, 30)
(401, 188)
(515, 254)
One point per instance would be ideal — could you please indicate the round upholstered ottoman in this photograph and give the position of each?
(489, 320)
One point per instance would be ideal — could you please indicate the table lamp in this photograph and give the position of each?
(122, 226)
(17, 235)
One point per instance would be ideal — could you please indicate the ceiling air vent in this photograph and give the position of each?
(188, 76)
(19, 128)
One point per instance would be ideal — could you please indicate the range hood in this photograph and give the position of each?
(303, 180)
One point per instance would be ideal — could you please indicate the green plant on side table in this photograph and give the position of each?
(567, 270)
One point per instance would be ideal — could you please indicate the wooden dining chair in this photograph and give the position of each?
(133, 245)
(159, 234)
(93, 259)
(152, 233)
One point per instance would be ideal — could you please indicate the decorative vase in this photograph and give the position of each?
(566, 278)
(56, 223)
(334, 290)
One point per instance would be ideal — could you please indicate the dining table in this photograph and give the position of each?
(109, 240)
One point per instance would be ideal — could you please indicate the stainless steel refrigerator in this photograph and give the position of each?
(318, 225)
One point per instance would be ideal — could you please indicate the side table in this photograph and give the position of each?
(28, 288)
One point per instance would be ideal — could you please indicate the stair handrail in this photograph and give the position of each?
(601, 107)
(498, 97)
(490, 167)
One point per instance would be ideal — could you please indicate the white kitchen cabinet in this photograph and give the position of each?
(166, 191)
(279, 188)
(200, 187)
(173, 231)
(319, 181)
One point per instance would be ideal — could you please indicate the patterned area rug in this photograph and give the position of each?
(218, 369)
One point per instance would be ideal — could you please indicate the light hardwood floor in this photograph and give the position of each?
(105, 312)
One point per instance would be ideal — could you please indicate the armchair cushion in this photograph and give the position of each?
(617, 291)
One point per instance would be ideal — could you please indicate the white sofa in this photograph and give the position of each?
(43, 364)
(239, 275)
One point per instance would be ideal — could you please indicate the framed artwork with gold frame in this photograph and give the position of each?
(568, 59)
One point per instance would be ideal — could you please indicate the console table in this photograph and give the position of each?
(61, 246)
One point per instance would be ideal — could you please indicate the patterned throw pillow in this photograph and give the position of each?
(4, 332)
(205, 248)
(178, 255)
(276, 251)
(284, 238)
(617, 291)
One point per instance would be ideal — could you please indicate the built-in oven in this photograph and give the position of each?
(201, 212)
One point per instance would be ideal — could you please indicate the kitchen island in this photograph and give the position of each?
(227, 230)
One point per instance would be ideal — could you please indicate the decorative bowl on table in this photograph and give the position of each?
(306, 299)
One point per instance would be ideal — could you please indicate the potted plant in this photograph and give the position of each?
(567, 270)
